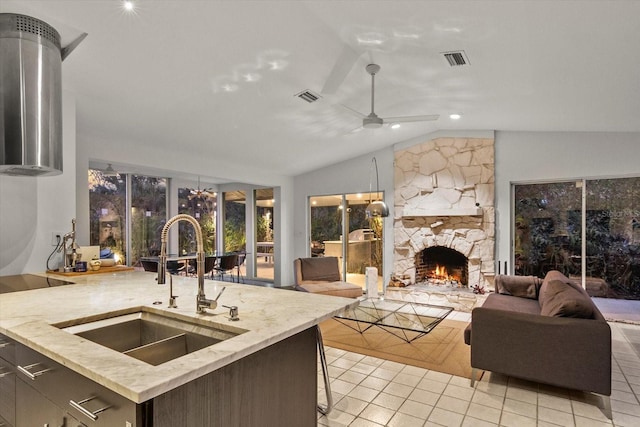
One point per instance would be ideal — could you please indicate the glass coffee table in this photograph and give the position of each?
(406, 320)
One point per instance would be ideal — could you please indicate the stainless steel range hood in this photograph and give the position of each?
(30, 96)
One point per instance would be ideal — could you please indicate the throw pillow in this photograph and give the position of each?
(518, 286)
(560, 299)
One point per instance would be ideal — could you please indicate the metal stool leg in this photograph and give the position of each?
(324, 410)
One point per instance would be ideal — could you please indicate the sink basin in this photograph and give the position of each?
(151, 337)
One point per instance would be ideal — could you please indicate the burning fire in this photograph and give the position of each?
(440, 273)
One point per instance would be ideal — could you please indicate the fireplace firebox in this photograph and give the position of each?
(439, 265)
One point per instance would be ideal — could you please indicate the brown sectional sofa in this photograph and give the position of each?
(547, 331)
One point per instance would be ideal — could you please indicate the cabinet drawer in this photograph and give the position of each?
(83, 398)
(7, 349)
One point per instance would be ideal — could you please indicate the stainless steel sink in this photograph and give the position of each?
(151, 337)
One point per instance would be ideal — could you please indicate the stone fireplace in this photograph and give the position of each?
(444, 224)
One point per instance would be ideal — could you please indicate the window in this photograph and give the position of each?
(108, 212)
(548, 221)
(148, 215)
(201, 206)
(235, 228)
(129, 232)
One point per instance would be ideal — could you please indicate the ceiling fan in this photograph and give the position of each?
(109, 171)
(201, 194)
(372, 120)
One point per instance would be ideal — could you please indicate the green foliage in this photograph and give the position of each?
(264, 229)
(235, 238)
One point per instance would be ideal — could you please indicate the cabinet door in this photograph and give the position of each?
(7, 392)
(35, 410)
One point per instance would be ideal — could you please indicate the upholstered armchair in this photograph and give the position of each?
(321, 275)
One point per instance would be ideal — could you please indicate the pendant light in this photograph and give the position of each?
(376, 208)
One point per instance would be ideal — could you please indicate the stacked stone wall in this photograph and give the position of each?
(444, 196)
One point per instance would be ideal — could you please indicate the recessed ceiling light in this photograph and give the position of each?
(229, 87)
(455, 116)
(128, 5)
(251, 77)
(395, 126)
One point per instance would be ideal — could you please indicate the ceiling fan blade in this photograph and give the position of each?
(341, 70)
(352, 111)
(353, 131)
(404, 119)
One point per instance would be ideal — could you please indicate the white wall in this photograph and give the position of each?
(548, 156)
(32, 208)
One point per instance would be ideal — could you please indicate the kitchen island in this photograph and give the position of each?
(266, 374)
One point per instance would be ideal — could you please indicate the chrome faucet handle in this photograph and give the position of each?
(220, 293)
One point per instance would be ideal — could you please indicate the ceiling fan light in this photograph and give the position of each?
(377, 209)
(371, 122)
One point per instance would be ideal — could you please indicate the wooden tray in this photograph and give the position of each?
(114, 269)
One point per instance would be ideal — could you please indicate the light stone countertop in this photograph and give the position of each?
(268, 314)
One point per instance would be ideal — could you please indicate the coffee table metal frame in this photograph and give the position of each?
(406, 320)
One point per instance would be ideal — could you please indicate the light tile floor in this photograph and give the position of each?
(373, 392)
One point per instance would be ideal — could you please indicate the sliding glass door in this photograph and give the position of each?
(547, 226)
(339, 228)
(613, 237)
(548, 233)
(264, 260)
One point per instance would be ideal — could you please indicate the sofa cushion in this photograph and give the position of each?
(509, 303)
(320, 269)
(561, 299)
(338, 289)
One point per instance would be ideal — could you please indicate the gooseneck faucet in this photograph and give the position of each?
(202, 303)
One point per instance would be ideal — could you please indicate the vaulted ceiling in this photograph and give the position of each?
(220, 78)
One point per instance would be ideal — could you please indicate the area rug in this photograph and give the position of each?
(441, 350)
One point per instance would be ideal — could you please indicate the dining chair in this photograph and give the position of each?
(242, 256)
(226, 264)
(209, 265)
(175, 267)
(149, 265)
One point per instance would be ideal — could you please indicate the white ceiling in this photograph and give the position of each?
(157, 77)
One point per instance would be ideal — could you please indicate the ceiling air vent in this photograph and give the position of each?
(308, 96)
(457, 58)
